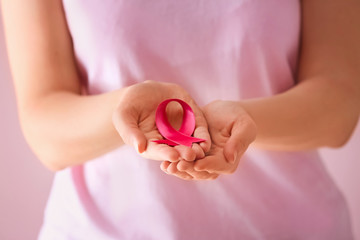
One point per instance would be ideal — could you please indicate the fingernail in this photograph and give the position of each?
(137, 146)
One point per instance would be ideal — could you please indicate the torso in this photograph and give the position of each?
(233, 50)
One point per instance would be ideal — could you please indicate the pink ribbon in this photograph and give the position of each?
(171, 135)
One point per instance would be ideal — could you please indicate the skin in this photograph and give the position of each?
(231, 133)
(60, 125)
(64, 127)
(134, 119)
(322, 109)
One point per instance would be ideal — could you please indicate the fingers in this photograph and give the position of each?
(185, 152)
(188, 167)
(188, 174)
(171, 168)
(199, 152)
(215, 164)
(242, 134)
(203, 133)
(125, 121)
(184, 166)
(234, 149)
(201, 129)
(190, 154)
(164, 165)
(161, 152)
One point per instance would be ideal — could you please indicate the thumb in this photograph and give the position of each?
(126, 123)
(240, 138)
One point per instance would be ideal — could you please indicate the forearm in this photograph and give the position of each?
(66, 129)
(313, 114)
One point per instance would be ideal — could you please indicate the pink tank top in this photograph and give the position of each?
(230, 50)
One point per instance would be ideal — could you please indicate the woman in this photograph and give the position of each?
(80, 68)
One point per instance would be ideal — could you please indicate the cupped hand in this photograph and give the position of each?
(232, 130)
(134, 119)
(185, 169)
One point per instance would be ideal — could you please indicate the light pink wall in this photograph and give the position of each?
(25, 183)
(344, 166)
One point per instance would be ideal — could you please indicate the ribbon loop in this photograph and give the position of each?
(171, 135)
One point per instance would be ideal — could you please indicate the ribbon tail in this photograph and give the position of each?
(165, 141)
(187, 142)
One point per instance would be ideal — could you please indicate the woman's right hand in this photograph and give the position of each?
(134, 119)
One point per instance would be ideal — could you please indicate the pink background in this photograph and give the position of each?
(25, 183)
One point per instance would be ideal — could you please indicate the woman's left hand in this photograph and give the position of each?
(232, 130)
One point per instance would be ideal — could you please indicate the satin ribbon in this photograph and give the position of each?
(172, 136)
